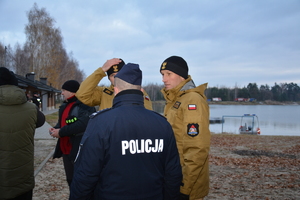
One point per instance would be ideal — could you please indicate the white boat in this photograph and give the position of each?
(252, 127)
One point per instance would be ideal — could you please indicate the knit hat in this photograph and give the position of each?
(130, 73)
(7, 77)
(177, 65)
(115, 68)
(71, 86)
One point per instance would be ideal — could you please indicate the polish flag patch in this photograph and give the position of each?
(192, 107)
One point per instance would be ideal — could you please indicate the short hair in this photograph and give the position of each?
(123, 85)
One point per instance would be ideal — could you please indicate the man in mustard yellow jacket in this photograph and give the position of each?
(188, 113)
(91, 94)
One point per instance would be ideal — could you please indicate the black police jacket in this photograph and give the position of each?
(127, 152)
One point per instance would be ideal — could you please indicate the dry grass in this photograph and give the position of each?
(52, 118)
(254, 167)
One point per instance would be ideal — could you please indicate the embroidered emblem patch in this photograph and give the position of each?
(163, 66)
(176, 105)
(192, 107)
(193, 130)
(115, 67)
(107, 91)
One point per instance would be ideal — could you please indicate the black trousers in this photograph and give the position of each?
(69, 168)
(25, 196)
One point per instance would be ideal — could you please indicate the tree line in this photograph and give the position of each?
(279, 92)
(42, 53)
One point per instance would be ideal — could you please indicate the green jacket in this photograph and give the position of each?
(188, 113)
(18, 120)
(91, 94)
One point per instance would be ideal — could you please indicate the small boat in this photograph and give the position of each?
(216, 120)
(253, 128)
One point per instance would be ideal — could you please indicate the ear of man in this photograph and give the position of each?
(116, 90)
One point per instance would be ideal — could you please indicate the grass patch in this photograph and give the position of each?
(52, 119)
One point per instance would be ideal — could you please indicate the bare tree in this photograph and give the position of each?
(5, 57)
(2, 55)
(38, 32)
(48, 57)
(21, 58)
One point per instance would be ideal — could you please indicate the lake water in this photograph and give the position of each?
(273, 119)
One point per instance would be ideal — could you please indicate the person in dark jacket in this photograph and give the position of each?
(36, 99)
(127, 152)
(18, 121)
(72, 122)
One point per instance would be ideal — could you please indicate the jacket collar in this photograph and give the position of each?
(71, 99)
(183, 88)
(134, 97)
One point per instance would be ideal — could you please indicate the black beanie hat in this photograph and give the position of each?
(7, 77)
(71, 86)
(130, 73)
(115, 68)
(177, 65)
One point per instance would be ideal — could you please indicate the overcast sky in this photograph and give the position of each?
(225, 42)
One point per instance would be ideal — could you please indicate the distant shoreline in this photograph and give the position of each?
(267, 102)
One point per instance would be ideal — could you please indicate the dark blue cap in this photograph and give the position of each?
(130, 73)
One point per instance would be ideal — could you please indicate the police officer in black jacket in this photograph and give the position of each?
(127, 151)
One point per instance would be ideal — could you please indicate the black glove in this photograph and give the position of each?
(183, 197)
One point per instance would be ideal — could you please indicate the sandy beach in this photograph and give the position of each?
(241, 167)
